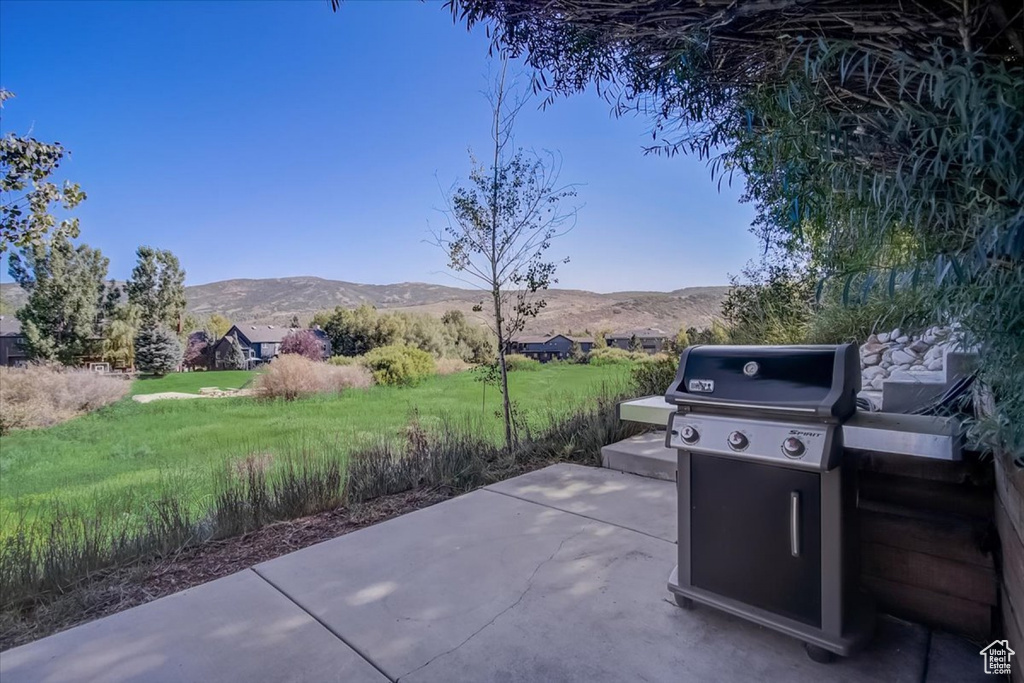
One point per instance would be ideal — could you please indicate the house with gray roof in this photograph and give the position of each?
(649, 339)
(12, 342)
(260, 344)
(548, 347)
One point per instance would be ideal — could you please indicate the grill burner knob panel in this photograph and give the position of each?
(689, 435)
(793, 447)
(738, 441)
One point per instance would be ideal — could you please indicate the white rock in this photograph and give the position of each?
(872, 373)
(884, 337)
(934, 364)
(934, 352)
(902, 356)
(876, 383)
(896, 334)
(919, 346)
(903, 340)
(871, 360)
(901, 376)
(918, 368)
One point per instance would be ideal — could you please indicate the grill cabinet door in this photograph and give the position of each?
(746, 522)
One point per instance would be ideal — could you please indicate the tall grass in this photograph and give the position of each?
(41, 396)
(49, 553)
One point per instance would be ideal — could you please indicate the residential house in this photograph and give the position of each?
(548, 347)
(260, 344)
(12, 342)
(650, 340)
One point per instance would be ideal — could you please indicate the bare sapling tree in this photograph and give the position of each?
(499, 226)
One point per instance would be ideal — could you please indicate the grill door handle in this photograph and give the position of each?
(794, 523)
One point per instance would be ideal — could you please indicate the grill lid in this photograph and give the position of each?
(805, 381)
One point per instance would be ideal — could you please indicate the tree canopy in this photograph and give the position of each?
(28, 195)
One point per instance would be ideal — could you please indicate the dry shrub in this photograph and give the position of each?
(292, 376)
(41, 396)
(449, 366)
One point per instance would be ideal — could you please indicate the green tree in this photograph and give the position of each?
(65, 286)
(601, 338)
(576, 352)
(157, 288)
(27, 195)
(217, 326)
(352, 331)
(500, 225)
(157, 350)
(119, 344)
(771, 303)
(680, 342)
(236, 359)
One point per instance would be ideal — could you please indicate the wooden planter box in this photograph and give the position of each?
(928, 541)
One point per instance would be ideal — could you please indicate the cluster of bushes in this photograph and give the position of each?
(516, 362)
(399, 365)
(355, 332)
(42, 395)
(611, 355)
(292, 376)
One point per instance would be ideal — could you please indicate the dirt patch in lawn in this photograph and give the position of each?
(116, 590)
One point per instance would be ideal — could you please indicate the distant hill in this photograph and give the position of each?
(275, 300)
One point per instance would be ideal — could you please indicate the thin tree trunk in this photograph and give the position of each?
(495, 284)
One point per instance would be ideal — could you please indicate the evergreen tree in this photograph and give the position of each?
(65, 297)
(576, 352)
(157, 350)
(236, 357)
(157, 287)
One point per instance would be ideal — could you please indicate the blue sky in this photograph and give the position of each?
(266, 139)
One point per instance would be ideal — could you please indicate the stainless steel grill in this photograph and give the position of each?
(765, 523)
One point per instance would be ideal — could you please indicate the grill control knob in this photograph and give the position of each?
(689, 434)
(793, 447)
(738, 441)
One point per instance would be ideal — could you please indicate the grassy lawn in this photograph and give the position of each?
(192, 382)
(129, 451)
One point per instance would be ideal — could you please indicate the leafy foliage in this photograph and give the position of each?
(217, 326)
(27, 196)
(304, 343)
(157, 351)
(772, 304)
(399, 365)
(353, 332)
(516, 362)
(119, 344)
(861, 125)
(236, 359)
(198, 351)
(65, 286)
(500, 226)
(157, 288)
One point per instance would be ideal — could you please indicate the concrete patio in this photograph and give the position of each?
(557, 575)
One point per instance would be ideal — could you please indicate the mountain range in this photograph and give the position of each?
(276, 300)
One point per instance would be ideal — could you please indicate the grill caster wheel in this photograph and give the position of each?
(819, 654)
(684, 602)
